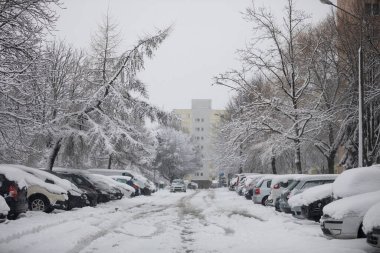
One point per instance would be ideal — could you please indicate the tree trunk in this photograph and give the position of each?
(331, 163)
(109, 162)
(54, 154)
(273, 164)
(297, 158)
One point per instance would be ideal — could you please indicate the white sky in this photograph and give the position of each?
(203, 43)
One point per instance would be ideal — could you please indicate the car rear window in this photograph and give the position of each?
(293, 185)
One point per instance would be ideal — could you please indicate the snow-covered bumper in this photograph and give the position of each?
(373, 237)
(346, 228)
(177, 188)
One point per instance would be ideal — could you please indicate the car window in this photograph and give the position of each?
(269, 182)
(293, 185)
(310, 184)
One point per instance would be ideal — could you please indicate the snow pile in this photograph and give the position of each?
(26, 179)
(372, 218)
(357, 181)
(356, 205)
(310, 195)
(4, 208)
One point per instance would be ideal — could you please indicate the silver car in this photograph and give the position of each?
(178, 185)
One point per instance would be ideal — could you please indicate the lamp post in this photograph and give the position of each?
(360, 82)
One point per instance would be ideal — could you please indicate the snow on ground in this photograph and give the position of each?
(196, 221)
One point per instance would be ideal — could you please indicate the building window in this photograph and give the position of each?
(202, 120)
(201, 147)
(201, 174)
(197, 129)
(202, 129)
(202, 138)
(375, 9)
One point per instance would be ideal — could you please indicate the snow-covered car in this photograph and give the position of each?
(357, 181)
(143, 183)
(82, 183)
(262, 189)
(41, 196)
(279, 184)
(301, 184)
(250, 184)
(309, 204)
(77, 198)
(14, 195)
(104, 184)
(233, 183)
(343, 218)
(4, 209)
(128, 181)
(125, 189)
(192, 185)
(371, 225)
(178, 185)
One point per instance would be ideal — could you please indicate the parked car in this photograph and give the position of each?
(192, 185)
(262, 190)
(128, 181)
(125, 189)
(300, 184)
(15, 196)
(99, 181)
(309, 204)
(250, 184)
(82, 183)
(343, 218)
(233, 183)
(4, 209)
(353, 185)
(280, 183)
(77, 198)
(178, 185)
(41, 196)
(371, 225)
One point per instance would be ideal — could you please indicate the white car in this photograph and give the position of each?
(343, 218)
(178, 185)
(371, 225)
(262, 190)
(278, 185)
(41, 196)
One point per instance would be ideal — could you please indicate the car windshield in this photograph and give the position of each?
(293, 185)
(177, 181)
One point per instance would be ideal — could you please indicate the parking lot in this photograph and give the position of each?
(196, 221)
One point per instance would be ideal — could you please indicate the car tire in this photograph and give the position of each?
(12, 216)
(264, 201)
(40, 203)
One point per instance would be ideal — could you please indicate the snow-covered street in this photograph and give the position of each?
(196, 221)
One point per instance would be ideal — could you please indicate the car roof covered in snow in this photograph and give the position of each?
(44, 175)
(286, 177)
(357, 181)
(372, 218)
(24, 178)
(310, 195)
(356, 205)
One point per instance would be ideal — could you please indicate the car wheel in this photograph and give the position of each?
(12, 216)
(264, 201)
(40, 203)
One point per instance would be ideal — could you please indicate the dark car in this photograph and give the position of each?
(314, 211)
(83, 184)
(106, 191)
(15, 197)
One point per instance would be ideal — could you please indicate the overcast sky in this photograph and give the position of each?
(203, 43)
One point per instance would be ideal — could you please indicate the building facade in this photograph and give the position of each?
(199, 122)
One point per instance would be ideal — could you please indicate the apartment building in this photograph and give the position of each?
(199, 122)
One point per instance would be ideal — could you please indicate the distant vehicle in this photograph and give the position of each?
(371, 225)
(262, 190)
(192, 185)
(249, 185)
(178, 185)
(41, 196)
(15, 198)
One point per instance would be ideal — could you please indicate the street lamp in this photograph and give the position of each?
(360, 82)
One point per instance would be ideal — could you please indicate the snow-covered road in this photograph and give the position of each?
(196, 221)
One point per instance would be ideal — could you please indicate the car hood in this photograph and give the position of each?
(356, 205)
